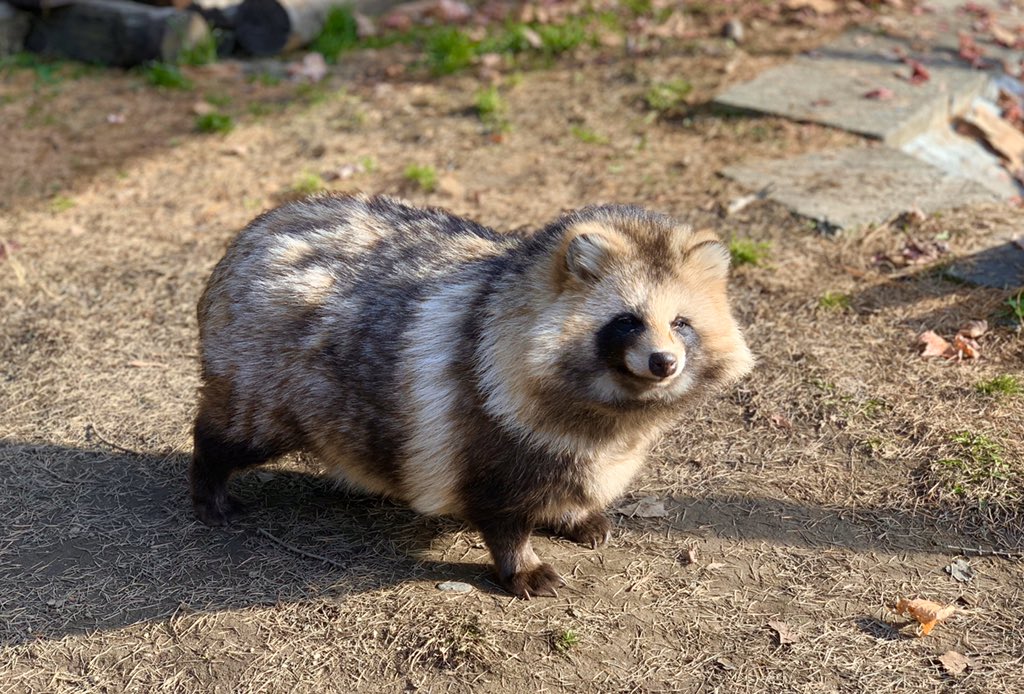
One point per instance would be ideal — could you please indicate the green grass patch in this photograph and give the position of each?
(1015, 304)
(564, 640)
(61, 203)
(218, 99)
(423, 176)
(588, 136)
(666, 97)
(367, 163)
(203, 53)
(340, 34)
(307, 184)
(47, 71)
(166, 76)
(978, 471)
(748, 252)
(1001, 385)
(491, 109)
(214, 123)
(834, 301)
(450, 50)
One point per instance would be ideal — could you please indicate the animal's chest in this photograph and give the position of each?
(609, 475)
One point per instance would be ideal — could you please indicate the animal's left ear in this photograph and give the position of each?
(706, 253)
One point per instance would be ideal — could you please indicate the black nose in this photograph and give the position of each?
(663, 364)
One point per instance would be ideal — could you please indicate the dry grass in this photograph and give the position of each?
(814, 493)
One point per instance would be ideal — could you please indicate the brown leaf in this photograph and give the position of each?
(1000, 135)
(954, 662)
(784, 633)
(966, 348)
(934, 345)
(926, 612)
(918, 72)
(973, 328)
(1004, 37)
(822, 7)
(880, 94)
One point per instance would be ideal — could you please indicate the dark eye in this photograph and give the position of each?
(628, 321)
(680, 323)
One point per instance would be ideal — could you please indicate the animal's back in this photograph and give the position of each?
(304, 322)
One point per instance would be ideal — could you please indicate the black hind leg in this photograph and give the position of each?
(214, 458)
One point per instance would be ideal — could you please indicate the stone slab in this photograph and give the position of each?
(828, 86)
(1001, 266)
(853, 187)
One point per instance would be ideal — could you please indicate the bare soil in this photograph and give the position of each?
(813, 494)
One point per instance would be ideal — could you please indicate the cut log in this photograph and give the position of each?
(267, 27)
(219, 14)
(13, 29)
(116, 32)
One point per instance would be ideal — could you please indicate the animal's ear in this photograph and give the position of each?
(705, 253)
(587, 251)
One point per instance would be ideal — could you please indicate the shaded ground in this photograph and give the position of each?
(814, 493)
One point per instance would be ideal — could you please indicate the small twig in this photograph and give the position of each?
(301, 552)
(92, 431)
(981, 552)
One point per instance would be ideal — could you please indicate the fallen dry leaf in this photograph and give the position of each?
(648, 507)
(970, 51)
(966, 348)
(784, 633)
(822, 7)
(880, 94)
(926, 612)
(1000, 135)
(934, 345)
(973, 329)
(918, 72)
(954, 662)
(960, 570)
(1004, 37)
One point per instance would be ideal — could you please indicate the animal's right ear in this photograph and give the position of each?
(586, 253)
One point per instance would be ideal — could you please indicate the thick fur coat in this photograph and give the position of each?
(512, 382)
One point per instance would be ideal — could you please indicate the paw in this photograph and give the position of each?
(218, 511)
(542, 580)
(593, 531)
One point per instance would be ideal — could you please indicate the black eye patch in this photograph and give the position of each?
(616, 337)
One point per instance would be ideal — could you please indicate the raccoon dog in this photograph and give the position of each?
(512, 382)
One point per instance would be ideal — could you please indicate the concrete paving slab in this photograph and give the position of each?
(1001, 266)
(854, 187)
(829, 85)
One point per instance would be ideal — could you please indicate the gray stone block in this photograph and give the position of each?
(1001, 266)
(829, 87)
(853, 187)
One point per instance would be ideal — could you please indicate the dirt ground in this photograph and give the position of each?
(844, 473)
